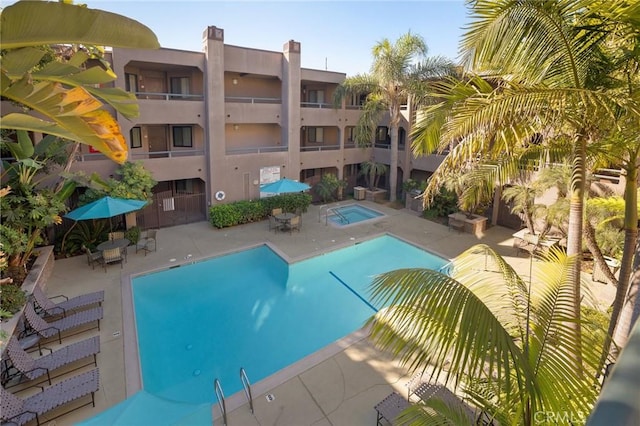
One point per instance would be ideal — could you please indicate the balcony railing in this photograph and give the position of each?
(256, 150)
(353, 106)
(320, 105)
(319, 148)
(169, 96)
(252, 100)
(388, 146)
(93, 156)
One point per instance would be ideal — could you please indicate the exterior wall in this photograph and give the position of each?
(247, 109)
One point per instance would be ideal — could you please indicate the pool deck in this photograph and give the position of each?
(339, 390)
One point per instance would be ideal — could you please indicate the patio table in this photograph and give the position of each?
(109, 245)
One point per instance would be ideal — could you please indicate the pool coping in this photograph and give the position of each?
(133, 373)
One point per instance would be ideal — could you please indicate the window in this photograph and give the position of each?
(184, 186)
(350, 132)
(180, 85)
(131, 82)
(316, 134)
(382, 134)
(136, 137)
(316, 96)
(182, 136)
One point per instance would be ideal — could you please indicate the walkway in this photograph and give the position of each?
(340, 390)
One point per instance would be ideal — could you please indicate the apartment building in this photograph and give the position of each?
(215, 125)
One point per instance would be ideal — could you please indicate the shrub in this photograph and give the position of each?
(132, 234)
(443, 204)
(239, 212)
(12, 298)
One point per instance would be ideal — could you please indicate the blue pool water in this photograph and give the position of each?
(251, 309)
(351, 214)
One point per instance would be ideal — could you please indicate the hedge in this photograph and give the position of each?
(240, 212)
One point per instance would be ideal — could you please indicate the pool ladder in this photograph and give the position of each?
(247, 387)
(333, 210)
(220, 394)
(221, 402)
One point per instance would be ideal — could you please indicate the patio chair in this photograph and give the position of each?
(19, 363)
(276, 211)
(294, 223)
(112, 256)
(18, 411)
(92, 258)
(116, 235)
(149, 239)
(46, 330)
(49, 307)
(274, 224)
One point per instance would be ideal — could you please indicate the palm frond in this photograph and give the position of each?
(434, 319)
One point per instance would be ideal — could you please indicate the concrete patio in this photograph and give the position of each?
(339, 387)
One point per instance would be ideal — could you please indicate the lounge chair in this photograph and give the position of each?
(49, 307)
(18, 411)
(148, 240)
(22, 365)
(55, 328)
(390, 408)
(92, 258)
(112, 256)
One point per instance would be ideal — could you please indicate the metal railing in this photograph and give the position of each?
(321, 105)
(256, 150)
(164, 96)
(221, 402)
(92, 156)
(333, 210)
(247, 387)
(319, 148)
(252, 100)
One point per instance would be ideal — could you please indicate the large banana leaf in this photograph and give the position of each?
(32, 23)
(67, 96)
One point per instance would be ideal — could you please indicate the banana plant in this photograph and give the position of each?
(68, 96)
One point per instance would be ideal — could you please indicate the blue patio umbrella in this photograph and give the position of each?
(105, 207)
(144, 408)
(284, 185)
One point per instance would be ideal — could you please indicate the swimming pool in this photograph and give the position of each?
(350, 214)
(252, 309)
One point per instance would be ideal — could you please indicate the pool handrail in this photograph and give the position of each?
(221, 402)
(343, 219)
(247, 387)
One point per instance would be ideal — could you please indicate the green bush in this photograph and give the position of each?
(133, 234)
(443, 204)
(240, 212)
(12, 298)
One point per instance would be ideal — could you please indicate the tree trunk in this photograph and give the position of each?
(574, 237)
(627, 265)
(394, 112)
(598, 258)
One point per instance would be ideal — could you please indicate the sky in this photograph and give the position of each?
(334, 35)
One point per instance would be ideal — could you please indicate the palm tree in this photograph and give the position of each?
(544, 69)
(503, 339)
(394, 76)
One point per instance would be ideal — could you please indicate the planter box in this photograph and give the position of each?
(38, 276)
(376, 194)
(475, 224)
(413, 203)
